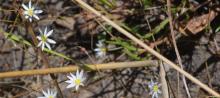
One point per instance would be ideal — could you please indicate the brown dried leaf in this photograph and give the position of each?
(88, 22)
(199, 23)
(67, 22)
(46, 21)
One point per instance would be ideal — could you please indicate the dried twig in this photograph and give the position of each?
(165, 90)
(176, 48)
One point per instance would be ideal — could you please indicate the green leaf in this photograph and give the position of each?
(157, 29)
(17, 38)
(147, 3)
(56, 53)
(129, 49)
(132, 55)
(124, 44)
(218, 29)
(106, 2)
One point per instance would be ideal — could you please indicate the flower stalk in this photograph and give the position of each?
(43, 57)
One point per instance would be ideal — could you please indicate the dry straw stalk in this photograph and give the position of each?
(72, 68)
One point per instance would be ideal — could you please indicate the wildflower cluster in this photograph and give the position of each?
(75, 80)
(30, 12)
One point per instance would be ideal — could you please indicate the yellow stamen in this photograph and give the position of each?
(155, 88)
(77, 81)
(30, 12)
(103, 49)
(44, 38)
(50, 97)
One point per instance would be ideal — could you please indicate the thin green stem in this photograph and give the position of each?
(43, 57)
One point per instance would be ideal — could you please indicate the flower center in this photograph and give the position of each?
(44, 38)
(30, 12)
(155, 88)
(77, 81)
(50, 96)
(103, 49)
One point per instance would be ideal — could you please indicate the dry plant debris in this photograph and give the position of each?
(114, 66)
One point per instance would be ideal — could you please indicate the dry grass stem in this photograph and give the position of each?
(72, 68)
(165, 90)
(176, 48)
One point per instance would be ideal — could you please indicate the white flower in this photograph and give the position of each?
(101, 50)
(44, 40)
(30, 12)
(49, 94)
(154, 89)
(76, 80)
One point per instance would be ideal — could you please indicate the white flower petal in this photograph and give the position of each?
(153, 96)
(156, 95)
(48, 46)
(51, 41)
(33, 8)
(45, 94)
(39, 44)
(83, 79)
(81, 84)
(71, 85)
(71, 78)
(151, 92)
(81, 74)
(49, 33)
(49, 94)
(38, 11)
(36, 17)
(54, 93)
(30, 19)
(26, 16)
(43, 46)
(77, 87)
(25, 13)
(45, 31)
(69, 81)
(41, 97)
(77, 73)
(97, 49)
(29, 4)
(41, 32)
(25, 7)
(39, 38)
